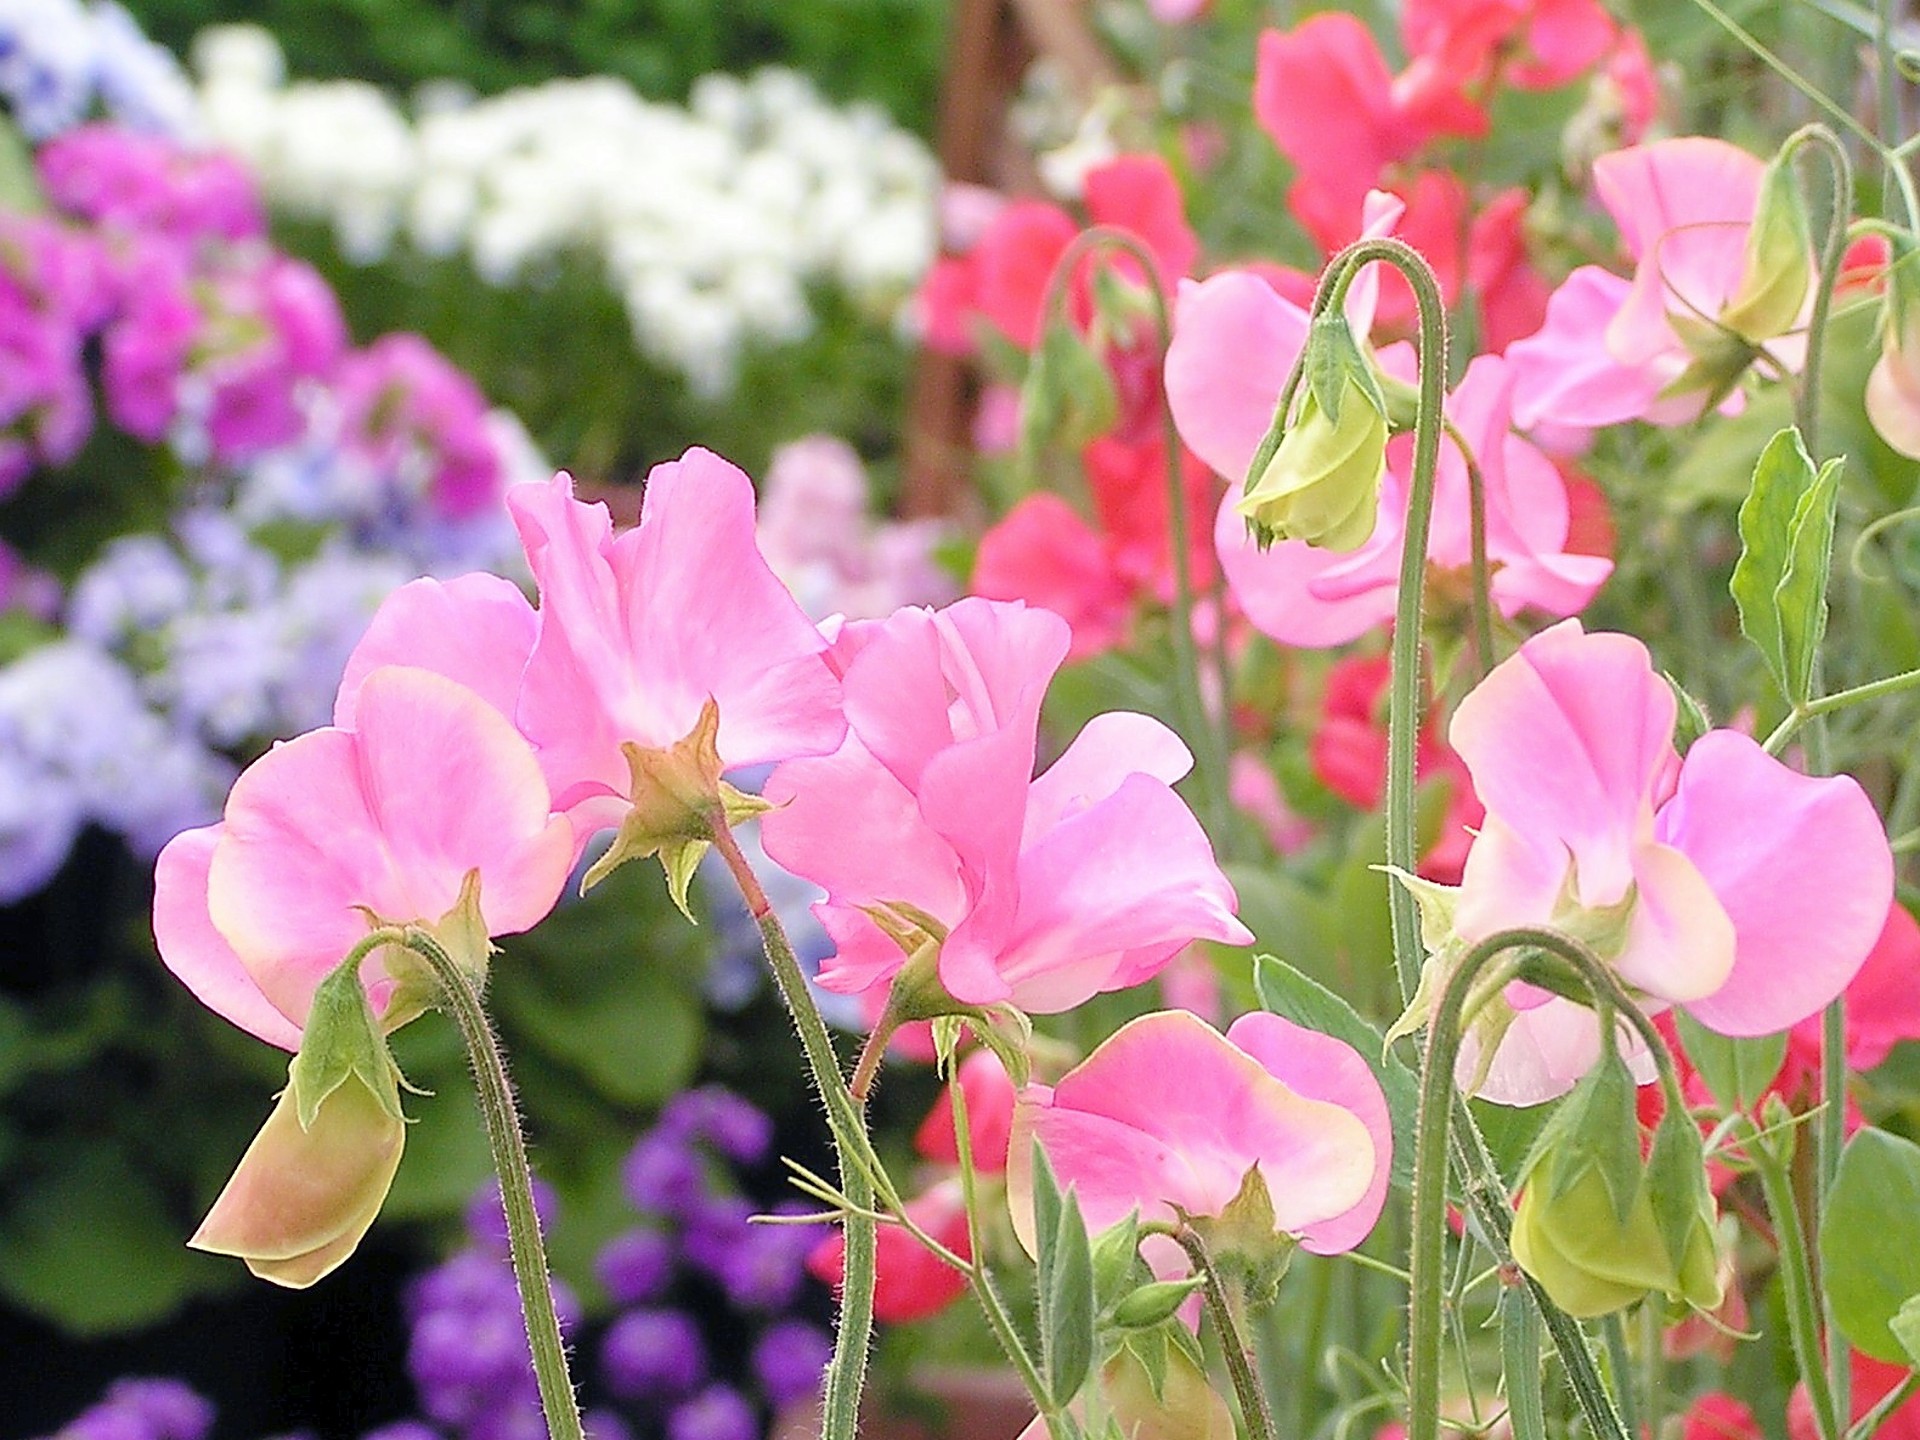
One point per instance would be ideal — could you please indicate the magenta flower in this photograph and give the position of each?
(1299, 1108)
(1041, 892)
(638, 632)
(1649, 348)
(1725, 883)
(412, 413)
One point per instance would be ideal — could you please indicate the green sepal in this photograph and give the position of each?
(1154, 1302)
(1777, 270)
(1245, 1242)
(1596, 1128)
(1333, 358)
(1116, 1259)
(1676, 1182)
(1692, 721)
(675, 797)
(1905, 1328)
(340, 1041)
(1780, 582)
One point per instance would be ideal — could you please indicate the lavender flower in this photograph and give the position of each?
(144, 1409)
(664, 1175)
(718, 1412)
(730, 1124)
(636, 1266)
(652, 1354)
(789, 1359)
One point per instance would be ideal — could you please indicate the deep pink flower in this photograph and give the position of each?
(1299, 1106)
(1594, 824)
(108, 175)
(910, 1281)
(1873, 1381)
(637, 632)
(1043, 552)
(990, 1095)
(413, 413)
(146, 349)
(1087, 879)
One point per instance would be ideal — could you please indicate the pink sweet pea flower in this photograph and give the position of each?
(1301, 595)
(1045, 891)
(637, 632)
(990, 1097)
(1300, 1107)
(430, 794)
(1595, 825)
(1613, 349)
(910, 1281)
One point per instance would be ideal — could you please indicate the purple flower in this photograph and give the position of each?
(718, 1412)
(650, 1354)
(765, 1270)
(144, 1409)
(403, 1430)
(415, 416)
(636, 1266)
(714, 1230)
(606, 1425)
(107, 174)
(664, 1175)
(789, 1359)
(732, 1125)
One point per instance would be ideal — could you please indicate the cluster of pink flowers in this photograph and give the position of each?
(479, 744)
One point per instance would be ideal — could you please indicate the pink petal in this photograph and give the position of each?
(1139, 193)
(1679, 184)
(1807, 893)
(392, 817)
(1234, 343)
(1281, 591)
(1134, 872)
(1323, 1068)
(1566, 740)
(1565, 375)
(706, 616)
(1042, 552)
(1680, 943)
(477, 629)
(200, 954)
(1108, 749)
(1541, 1057)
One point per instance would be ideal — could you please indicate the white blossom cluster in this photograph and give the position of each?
(712, 220)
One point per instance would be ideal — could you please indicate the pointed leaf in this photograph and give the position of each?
(341, 1039)
(1154, 1302)
(1520, 1362)
(1780, 582)
(1067, 1306)
(1677, 1183)
(1692, 721)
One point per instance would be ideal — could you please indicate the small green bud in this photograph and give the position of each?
(1779, 274)
(1323, 483)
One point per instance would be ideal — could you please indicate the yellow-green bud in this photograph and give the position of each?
(1590, 1262)
(1323, 483)
(1779, 274)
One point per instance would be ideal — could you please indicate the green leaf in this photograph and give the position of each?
(1870, 1240)
(1737, 1071)
(1154, 1302)
(1066, 1305)
(1780, 582)
(1046, 1218)
(1298, 997)
(1520, 1363)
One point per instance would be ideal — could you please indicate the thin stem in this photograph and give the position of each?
(1838, 700)
(1482, 596)
(1882, 1411)
(1621, 1363)
(1486, 1196)
(1254, 1414)
(502, 1119)
(1655, 1366)
(1796, 1275)
(846, 1374)
(1840, 174)
(1210, 743)
(1827, 106)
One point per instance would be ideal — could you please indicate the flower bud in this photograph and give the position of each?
(1778, 274)
(1323, 483)
(302, 1197)
(1591, 1262)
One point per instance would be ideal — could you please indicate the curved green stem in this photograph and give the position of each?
(847, 1373)
(1832, 252)
(1838, 700)
(1482, 582)
(502, 1120)
(1238, 1354)
(1212, 744)
(1438, 1099)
